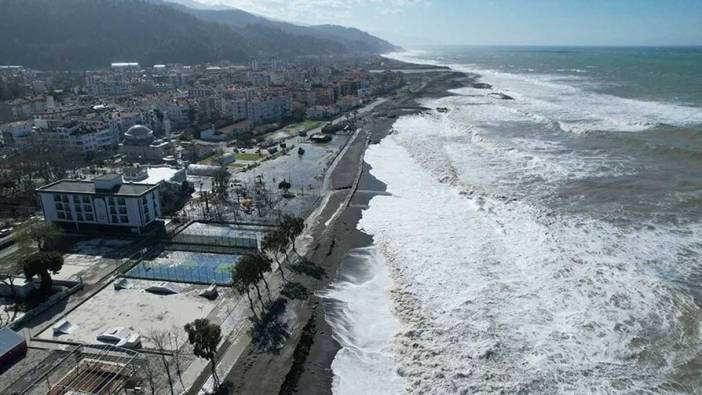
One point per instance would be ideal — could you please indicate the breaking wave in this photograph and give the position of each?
(497, 287)
(363, 323)
(572, 108)
(500, 295)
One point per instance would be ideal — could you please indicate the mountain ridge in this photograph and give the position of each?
(84, 34)
(355, 40)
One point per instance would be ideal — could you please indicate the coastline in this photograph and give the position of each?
(303, 365)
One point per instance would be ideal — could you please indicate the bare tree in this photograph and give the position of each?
(5, 317)
(177, 342)
(150, 373)
(41, 233)
(162, 344)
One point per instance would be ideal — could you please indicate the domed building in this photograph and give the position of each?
(140, 145)
(138, 135)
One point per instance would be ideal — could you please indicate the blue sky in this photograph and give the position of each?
(500, 22)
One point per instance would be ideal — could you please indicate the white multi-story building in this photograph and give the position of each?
(176, 112)
(109, 88)
(269, 109)
(105, 203)
(234, 108)
(322, 112)
(87, 138)
(23, 108)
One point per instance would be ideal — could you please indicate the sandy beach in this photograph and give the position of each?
(303, 365)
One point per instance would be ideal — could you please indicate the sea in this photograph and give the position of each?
(549, 243)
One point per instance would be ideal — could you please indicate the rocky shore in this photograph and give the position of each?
(303, 365)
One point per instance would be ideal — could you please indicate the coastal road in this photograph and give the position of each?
(236, 323)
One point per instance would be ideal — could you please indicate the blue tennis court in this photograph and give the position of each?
(187, 267)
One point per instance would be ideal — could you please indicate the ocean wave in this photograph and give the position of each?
(574, 109)
(504, 165)
(364, 326)
(500, 295)
(572, 70)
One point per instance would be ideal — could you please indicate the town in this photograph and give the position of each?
(154, 217)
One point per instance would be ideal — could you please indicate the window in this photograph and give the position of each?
(59, 206)
(57, 198)
(78, 208)
(123, 210)
(111, 200)
(120, 201)
(114, 219)
(124, 219)
(79, 216)
(61, 215)
(88, 208)
(86, 199)
(89, 217)
(69, 215)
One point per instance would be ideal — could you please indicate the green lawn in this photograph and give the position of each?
(249, 156)
(309, 124)
(304, 125)
(207, 160)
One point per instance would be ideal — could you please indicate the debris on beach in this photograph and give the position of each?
(501, 95)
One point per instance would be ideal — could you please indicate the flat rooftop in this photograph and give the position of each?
(136, 310)
(88, 187)
(155, 175)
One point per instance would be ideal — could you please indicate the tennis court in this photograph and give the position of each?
(183, 266)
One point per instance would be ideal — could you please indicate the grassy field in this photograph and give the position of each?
(208, 160)
(305, 125)
(248, 156)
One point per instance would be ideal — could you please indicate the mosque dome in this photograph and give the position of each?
(138, 135)
(139, 131)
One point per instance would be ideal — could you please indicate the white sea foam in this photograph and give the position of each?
(498, 296)
(498, 163)
(499, 293)
(364, 325)
(574, 109)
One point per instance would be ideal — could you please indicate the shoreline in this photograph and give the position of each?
(303, 365)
